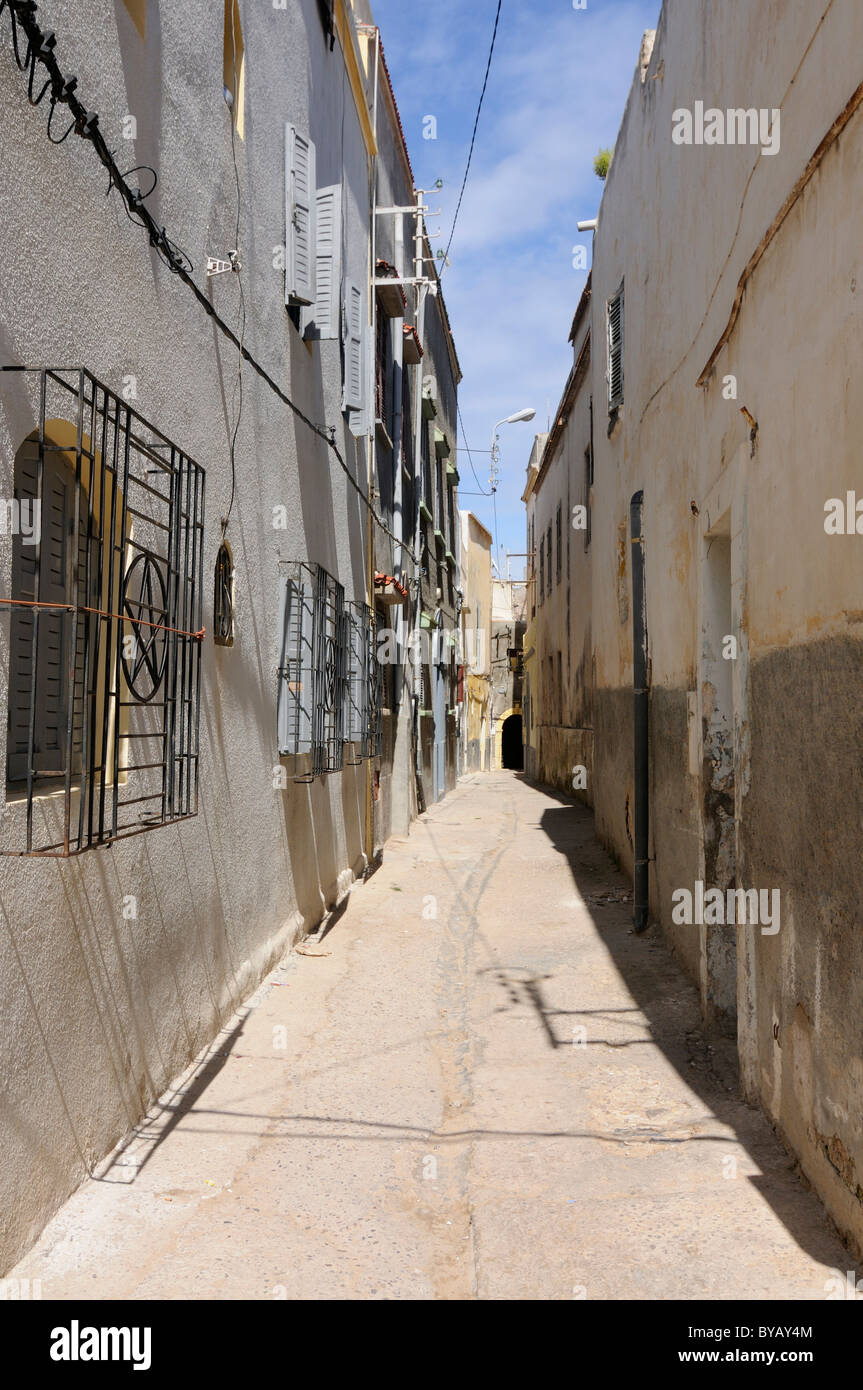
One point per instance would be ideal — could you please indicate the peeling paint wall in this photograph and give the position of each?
(563, 709)
(754, 780)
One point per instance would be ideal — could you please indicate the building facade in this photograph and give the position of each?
(717, 588)
(206, 514)
(475, 656)
(436, 630)
(507, 672)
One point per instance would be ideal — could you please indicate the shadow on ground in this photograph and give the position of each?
(670, 1003)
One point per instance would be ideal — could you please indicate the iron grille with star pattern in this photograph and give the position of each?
(105, 629)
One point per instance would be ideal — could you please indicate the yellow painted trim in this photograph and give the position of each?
(347, 39)
(138, 13)
(498, 734)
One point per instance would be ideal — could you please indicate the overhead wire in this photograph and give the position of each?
(472, 140)
(470, 460)
(40, 47)
(237, 408)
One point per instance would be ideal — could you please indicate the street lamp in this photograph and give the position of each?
(518, 418)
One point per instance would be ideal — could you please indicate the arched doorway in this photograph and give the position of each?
(512, 749)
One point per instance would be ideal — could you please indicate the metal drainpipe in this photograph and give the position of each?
(640, 884)
(370, 446)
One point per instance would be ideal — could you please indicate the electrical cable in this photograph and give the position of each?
(238, 384)
(470, 460)
(40, 46)
(472, 140)
(496, 540)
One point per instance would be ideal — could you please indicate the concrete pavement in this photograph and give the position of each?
(481, 1086)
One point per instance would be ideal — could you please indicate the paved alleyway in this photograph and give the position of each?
(429, 1129)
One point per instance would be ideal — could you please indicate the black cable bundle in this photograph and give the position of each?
(40, 49)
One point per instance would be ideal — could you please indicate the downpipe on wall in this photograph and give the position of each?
(640, 696)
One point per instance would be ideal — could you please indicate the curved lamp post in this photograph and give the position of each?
(516, 419)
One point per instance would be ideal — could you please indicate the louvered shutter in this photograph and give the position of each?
(615, 350)
(300, 218)
(354, 337)
(48, 581)
(296, 667)
(356, 721)
(321, 319)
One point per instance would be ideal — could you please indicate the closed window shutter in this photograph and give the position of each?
(354, 335)
(360, 676)
(48, 581)
(321, 319)
(296, 667)
(615, 350)
(300, 218)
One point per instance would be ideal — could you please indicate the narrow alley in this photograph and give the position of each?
(476, 1084)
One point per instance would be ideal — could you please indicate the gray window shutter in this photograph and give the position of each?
(300, 217)
(321, 319)
(296, 667)
(354, 339)
(357, 713)
(615, 350)
(48, 580)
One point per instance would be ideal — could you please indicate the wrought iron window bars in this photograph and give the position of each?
(312, 670)
(115, 650)
(362, 717)
(328, 674)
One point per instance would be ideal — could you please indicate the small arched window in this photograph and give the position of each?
(223, 598)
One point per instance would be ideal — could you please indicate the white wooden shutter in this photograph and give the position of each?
(321, 319)
(296, 667)
(354, 339)
(300, 217)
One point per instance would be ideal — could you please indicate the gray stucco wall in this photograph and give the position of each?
(99, 1012)
(680, 225)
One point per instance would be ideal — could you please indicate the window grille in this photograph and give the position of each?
(426, 467)
(362, 715)
(381, 365)
(223, 598)
(559, 529)
(451, 534)
(312, 670)
(440, 514)
(105, 633)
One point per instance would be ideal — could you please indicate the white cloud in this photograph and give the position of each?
(556, 94)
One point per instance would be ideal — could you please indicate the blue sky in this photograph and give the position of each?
(557, 88)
